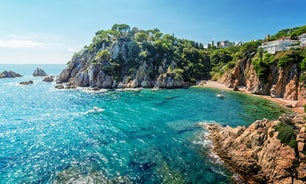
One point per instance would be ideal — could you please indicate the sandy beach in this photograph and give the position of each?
(280, 101)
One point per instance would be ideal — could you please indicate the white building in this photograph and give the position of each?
(302, 39)
(224, 44)
(278, 45)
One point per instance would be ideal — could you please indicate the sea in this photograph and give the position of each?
(114, 136)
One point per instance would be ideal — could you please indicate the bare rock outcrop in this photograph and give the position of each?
(84, 71)
(258, 154)
(280, 82)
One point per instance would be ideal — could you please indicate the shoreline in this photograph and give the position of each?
(280, 101)
(289, 104)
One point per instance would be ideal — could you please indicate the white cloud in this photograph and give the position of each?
(17, 44)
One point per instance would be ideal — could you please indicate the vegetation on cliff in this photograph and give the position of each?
(124, 54)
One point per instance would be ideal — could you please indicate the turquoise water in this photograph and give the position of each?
(48, 136)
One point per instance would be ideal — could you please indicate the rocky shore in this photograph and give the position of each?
(266, 151)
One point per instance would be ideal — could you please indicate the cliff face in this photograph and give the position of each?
(280, 82)
(257, 153)
(81, 71)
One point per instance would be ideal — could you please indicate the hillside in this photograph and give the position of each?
(123, 57)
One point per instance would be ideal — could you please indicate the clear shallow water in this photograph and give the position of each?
(47, 136)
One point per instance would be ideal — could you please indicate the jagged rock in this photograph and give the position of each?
(301, 94)
(280, 82)
(48, 79)
(9, 74)
(257, 153)
(273, 91)
(26, 82)
(291, 90)
(39, 72)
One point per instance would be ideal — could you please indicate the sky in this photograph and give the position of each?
(50, 31)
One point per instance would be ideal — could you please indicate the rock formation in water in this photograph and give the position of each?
(39, 72)
(26, 82)
(48, 79)
(124, 58)
(266, 151)
(9, 74)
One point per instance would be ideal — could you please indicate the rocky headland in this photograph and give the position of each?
(266, 151)
(131, 58)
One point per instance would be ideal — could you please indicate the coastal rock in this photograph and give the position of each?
(273, 91)
(39, 72)
(9, 74)
(60, 86)
(280, 82)
(301, 95)
(48, 79)
(26, 82)
(257, 153)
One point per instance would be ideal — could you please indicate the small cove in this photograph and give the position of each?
(146, 136)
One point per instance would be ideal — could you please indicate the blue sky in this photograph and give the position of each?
(50, 31)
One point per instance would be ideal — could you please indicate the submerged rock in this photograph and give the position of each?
(39, 72)
(9, 74)
(26, 82)
(258, 154)
(48, 79)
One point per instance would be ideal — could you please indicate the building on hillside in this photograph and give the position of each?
(278, 45)
(302, 39)
(224, 44)
(238, 43)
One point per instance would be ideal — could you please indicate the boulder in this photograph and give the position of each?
(60, 86)
(9, 74)
(26, 82)
(48, 79)
(39, 72)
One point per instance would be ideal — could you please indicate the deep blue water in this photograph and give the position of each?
(48, 136)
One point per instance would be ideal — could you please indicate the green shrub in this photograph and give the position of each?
(193, 81)
(303, 77)
(178, 73)
(303, 64)
(292, 143)
(286, 135)
(304, 107)
(284, 61)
